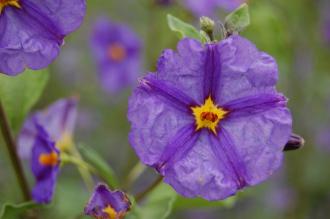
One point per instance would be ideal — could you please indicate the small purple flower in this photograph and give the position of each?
(45, 162)
(117, 50)
(164, 2)
(105, 204)
(209, 7)
(32, 31)
(210, 120)
(58, 121)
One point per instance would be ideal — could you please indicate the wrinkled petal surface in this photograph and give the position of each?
(31, 37)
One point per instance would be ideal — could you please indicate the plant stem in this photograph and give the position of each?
(11, 147)
(141, 196)
(134, 174)
(83, 167)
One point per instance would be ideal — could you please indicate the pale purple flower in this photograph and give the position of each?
(107, 204)
(210, 120)
(32, 31)
(58, 121)
(117, 52)
(209, 7)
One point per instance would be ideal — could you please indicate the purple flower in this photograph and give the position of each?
(105, 204)
(209, 7)
(57, 120)
(117, 50)
(45, 162)
(164, 2)
(210, 120)
(32, 31)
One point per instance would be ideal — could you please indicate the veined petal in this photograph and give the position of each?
(169, 93)
(184, 68)
(259, 140)
(153, 124)
(201, 172)
(244, 71)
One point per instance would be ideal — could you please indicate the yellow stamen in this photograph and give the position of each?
(50, 159)
(4, 3)
(112, 214)
(116, 52)
(208, 115)
(65, 142)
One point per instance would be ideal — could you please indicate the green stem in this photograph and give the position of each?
(134, 174)
(143, 194)
(83, 167)
(11, 147)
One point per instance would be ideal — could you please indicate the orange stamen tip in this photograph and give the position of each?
(50, 159)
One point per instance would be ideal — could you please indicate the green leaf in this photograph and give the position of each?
(158, 204)
(182, 28)
(184, 203)
(13, 211)
(101, 166)
(18, 94)
(238, 20)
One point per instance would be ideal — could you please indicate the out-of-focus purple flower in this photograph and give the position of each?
(210, 120)
(323, 139)
(45, 162)
(325, 19)
(105, 204)
(58, 120)
(164, 2)
(117, 52)
(32, 31)
(209, 7)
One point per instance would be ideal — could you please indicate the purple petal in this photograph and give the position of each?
(45, 175)
(259, 140)
(244, 71)
(115, 75)
(169, 93)
(183, 68)
(103, 197)
(201, 173)
(58, 119)
(32, 35)
(154, 124)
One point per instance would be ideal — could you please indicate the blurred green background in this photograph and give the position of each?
(291, 31)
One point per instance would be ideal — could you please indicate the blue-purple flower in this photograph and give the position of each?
(32, 31)
(58, 121)
(209, 7)
(117, 52)
(210, 119)
(107, 204)
(45, 161)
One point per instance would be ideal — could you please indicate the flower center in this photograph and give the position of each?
(4, 3)
(116, 52)
(208, 115)
(50, 159)
(111, 213)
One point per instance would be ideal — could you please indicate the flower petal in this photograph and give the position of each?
(259, 140)
(201, 172)
(244, 71)
(184, 68)
(153, 124)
